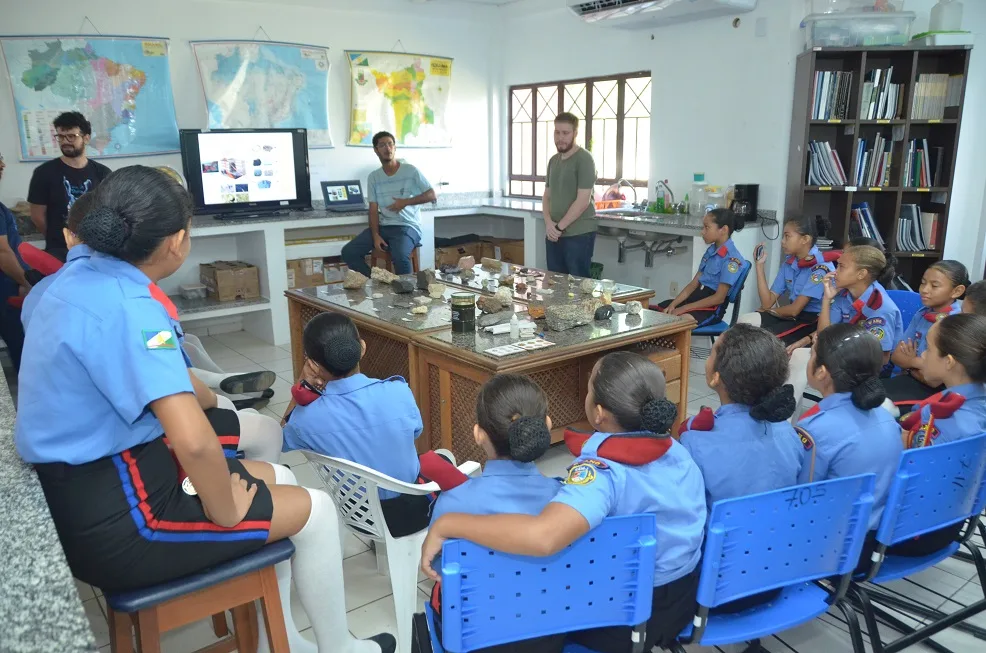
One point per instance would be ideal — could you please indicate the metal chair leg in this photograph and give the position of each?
(852, 621)
(861, 602)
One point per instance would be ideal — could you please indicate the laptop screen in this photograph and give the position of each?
(343, 193)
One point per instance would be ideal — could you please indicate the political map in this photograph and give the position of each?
(264, 84)
(405, 94)
(121, 84)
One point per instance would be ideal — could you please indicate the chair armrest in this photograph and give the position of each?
(470, 468)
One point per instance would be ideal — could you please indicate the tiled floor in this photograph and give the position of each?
(368, 598)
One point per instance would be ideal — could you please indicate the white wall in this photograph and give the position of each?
(464, 34)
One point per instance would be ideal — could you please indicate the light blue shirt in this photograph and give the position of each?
(920, 324)
(34, 296)
(720, 265)
(382, 190)
(969, 420)
(794, 281)
(372, 422)
(670, 487)
(741, 456)
(506, 486)
(100, 351)
(874, 311)
(850, 441)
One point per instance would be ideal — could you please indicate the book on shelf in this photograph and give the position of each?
(830, 95)
(916, 230)
(881, 100)
(923, 167)
(873, 166)
(824, 166)
(863, 225)
(933, 93)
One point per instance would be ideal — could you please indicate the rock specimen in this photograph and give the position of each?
(491, 304)
(588, 285)
(377, 295)
(505, 293)
(521, 287)
(425, 279)
(467, 274)
(492, 264)
(402, 286)
(436, 290)
(419, 310)
(604, 312)
(354, 280)
(634, 307)
(422, 301)
(467, 262)
(507, 280)
(381, 275)
(563, 317)
(493, 319)
(535, 311)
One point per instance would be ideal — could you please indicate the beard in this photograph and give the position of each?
(562, 149)
(72, 151)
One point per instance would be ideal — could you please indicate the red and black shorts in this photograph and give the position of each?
(125, 522)
(790, 330)
(703, 316)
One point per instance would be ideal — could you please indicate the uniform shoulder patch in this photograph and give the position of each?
(807, 441)
(874, 322)
(159, 339)
(818, 273)
(734, 264)
(581, 473)
(594, 462)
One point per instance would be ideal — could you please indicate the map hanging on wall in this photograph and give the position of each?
(404, 94)
(266, 85)
(121, 84)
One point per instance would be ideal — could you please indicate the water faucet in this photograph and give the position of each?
(624, 182)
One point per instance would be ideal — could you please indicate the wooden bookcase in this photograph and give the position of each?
(885, 202)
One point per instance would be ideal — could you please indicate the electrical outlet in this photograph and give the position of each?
(673, 289)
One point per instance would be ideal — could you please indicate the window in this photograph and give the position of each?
(614, 119)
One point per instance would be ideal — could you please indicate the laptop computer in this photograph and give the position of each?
(343, 196)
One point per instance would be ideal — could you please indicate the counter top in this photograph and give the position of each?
(543, 286)
(40, 608)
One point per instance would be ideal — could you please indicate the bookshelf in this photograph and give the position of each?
(844, 114)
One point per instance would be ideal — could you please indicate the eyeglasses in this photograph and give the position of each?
(68, 138)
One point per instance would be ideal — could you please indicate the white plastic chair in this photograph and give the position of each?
(354, 489)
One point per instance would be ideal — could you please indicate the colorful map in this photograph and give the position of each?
(264, 85)
(122, 85)
(404, 94)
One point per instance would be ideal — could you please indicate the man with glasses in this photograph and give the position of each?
(13, 282)
(394, 192)
(56, 184)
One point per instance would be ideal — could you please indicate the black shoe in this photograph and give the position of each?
(242, 384)
(386, 642)
(256, 403)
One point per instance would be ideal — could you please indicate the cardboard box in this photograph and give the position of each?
(504, 249)
(451, 255)
(311, 272)
(230, 280)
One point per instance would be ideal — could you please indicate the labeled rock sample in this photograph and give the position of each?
(381, 275)
(436, 290)
(491, 304)
(564, 317)
(588, 285)
(402, 286)
(422, 301)
(634, 307)
(419, 310)
(354, 280)
(425, 279)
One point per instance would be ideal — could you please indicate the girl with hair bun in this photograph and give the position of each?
(629, 465)
(799, 281)
(852, 433)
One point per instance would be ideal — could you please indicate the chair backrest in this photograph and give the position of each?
(935, 487)
(908, 302)
(786, 537)
(606, 578)
(38, 259)
(736, 291)
(832, 255)
(354, 489)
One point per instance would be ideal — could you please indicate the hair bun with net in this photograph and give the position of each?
(529, 438)
(105, 230)
(343, 353)
(658, 415)
(776, 406)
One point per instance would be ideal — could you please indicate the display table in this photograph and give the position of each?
(446, 370)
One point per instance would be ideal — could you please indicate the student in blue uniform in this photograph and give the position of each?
(626, 405)
(852, 433)
(942, 288)
(799, 282)
(704, 295)
(975, 299)
(104, 385)
(747, 368)
(513, 428)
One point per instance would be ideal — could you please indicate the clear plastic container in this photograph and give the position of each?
(946, 16)
(841, 6)
(696, 199)
(192, 291)
(715, 198)
(858, 29)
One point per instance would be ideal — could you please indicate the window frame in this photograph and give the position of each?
(585, 124)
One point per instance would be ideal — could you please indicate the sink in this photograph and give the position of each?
(622, 213)
(613, 232)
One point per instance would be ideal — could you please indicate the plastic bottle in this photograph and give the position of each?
(514, 327)
(660, 197)
(946, 16)
(696, 203)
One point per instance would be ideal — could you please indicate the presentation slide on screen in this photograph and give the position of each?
(247, 167)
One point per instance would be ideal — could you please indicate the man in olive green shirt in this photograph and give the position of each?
(569, 212)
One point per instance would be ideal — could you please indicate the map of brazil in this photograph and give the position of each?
(122, 85)
(404, 94)
(266, 85)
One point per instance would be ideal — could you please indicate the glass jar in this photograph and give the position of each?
(463, 312)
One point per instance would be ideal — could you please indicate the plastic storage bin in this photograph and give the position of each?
(192, 291)
(834, 6)
(857, 29)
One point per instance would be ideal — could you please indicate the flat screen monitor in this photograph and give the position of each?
(234, 171)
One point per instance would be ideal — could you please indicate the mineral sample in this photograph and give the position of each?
(561, 318)
(354, 280)
(419, 310)
(634, 307)
(436, 290)
(426, 278)
(381, 275)
(402, 286)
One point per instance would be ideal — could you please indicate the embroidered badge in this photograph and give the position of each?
(806, 440)
(159, 339)
(581, 474)
(925, 436)
(818, 273)
(733, 265)
(187, 487)
(879, 333)
(592, 461)
(874, 322)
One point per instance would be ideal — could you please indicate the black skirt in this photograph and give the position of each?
(790, 330)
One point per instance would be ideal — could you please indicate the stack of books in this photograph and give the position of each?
(933, 93)
(830, 96)
(862, 224)
(923, 164)
(881, 100)
(824, 166)
(917, 230)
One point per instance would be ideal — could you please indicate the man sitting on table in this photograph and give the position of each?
(394, 191)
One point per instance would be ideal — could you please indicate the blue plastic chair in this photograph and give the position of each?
(715, 326)
(935, 487)
(157, 609)
(908, 302)
(784, 540)
(604, 579)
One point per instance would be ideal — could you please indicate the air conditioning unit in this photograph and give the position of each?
(644, 14)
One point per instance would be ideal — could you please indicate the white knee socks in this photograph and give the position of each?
(261, 437)
(751, 318)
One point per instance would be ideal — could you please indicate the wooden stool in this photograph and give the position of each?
(379, 254)
(233, 585)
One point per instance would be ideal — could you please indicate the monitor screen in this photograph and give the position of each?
(244, 170)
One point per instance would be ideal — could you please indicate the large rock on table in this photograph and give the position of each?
(402, 286)
(425, 278)
(564, 317)
(381, 275)
(354, 280)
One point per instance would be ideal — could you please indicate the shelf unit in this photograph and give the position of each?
(843, 135)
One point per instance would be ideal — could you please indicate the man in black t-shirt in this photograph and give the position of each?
(58, 183)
